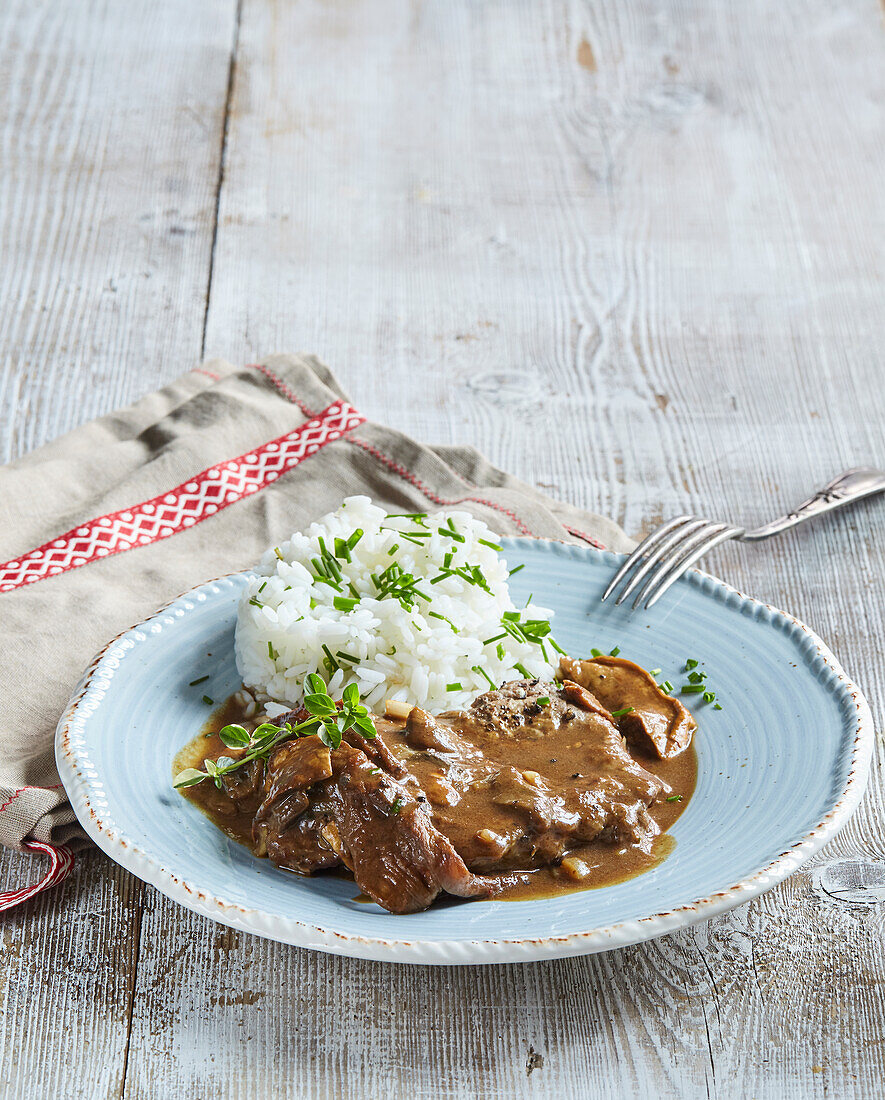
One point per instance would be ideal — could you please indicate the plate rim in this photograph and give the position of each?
(106, 834)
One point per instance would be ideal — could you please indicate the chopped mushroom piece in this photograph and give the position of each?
(656, 722)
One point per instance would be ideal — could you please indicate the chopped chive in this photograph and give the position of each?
(500, 651)
(620, 713)
(615, 651)
(396, 805)
(374, 771)
(256, 603)
(436, 615)
(393, 549)
(655, 671)
(675, 798)
(493, 545)
(330, 660)
(596, 653)
(271, 652)
(557, 647)
(278, 553)
(208, 701)
(262, 587)
(666, 686)
(199, 680)
(718, 706)
(447, 560)
(516, 569)
(543, 701)
(354, 538)
(521, 668)
(407, 515)
(696, 677)
(344, 603)
(451, 534)
(497, 638)
(691, 663)
(454, 687)
(482, 672)
(511, 616)
(709, 696)
(347, 657)
(691, 689)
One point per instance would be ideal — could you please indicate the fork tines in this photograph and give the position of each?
(661, 558)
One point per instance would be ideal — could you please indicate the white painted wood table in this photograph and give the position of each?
(632, 251)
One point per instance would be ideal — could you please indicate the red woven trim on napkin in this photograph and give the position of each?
(61, 860)
(583, 535)
(184, 506)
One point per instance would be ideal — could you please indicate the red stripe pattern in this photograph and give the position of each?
(61, 861)
(182, 507)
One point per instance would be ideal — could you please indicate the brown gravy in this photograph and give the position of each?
(609, 864)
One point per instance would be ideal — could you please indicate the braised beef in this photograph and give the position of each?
(464, 802)
(656, 721)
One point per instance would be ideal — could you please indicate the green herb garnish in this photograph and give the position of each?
(345, 603)
(209, 702)
(675, 798)
(615, 651)
(454, 687)
(328, 720)
(482, 672)
(691, 689)
(199, 680)
(620, 713)
(436, 615)
(543, 701)
(516, 569)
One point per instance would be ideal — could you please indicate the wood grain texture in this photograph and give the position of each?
(632, 252)
(110, 137)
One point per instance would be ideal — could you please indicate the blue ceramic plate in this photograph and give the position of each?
(781, 767)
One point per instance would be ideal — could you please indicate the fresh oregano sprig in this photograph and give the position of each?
(328, 720)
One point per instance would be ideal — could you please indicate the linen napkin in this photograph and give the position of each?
(107, 523)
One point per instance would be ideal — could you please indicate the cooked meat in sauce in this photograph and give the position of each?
(531, 776)
(657, 722)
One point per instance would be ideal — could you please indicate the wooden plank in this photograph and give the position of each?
(110, 137)
(67, 973)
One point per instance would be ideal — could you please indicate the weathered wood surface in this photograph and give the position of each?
(631, 251)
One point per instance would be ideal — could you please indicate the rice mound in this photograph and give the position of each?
(411, 653)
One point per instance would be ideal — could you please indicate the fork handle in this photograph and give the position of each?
(852, 485)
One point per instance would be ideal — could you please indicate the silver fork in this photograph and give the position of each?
(661, 558)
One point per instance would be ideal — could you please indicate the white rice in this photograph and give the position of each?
(286, 615)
